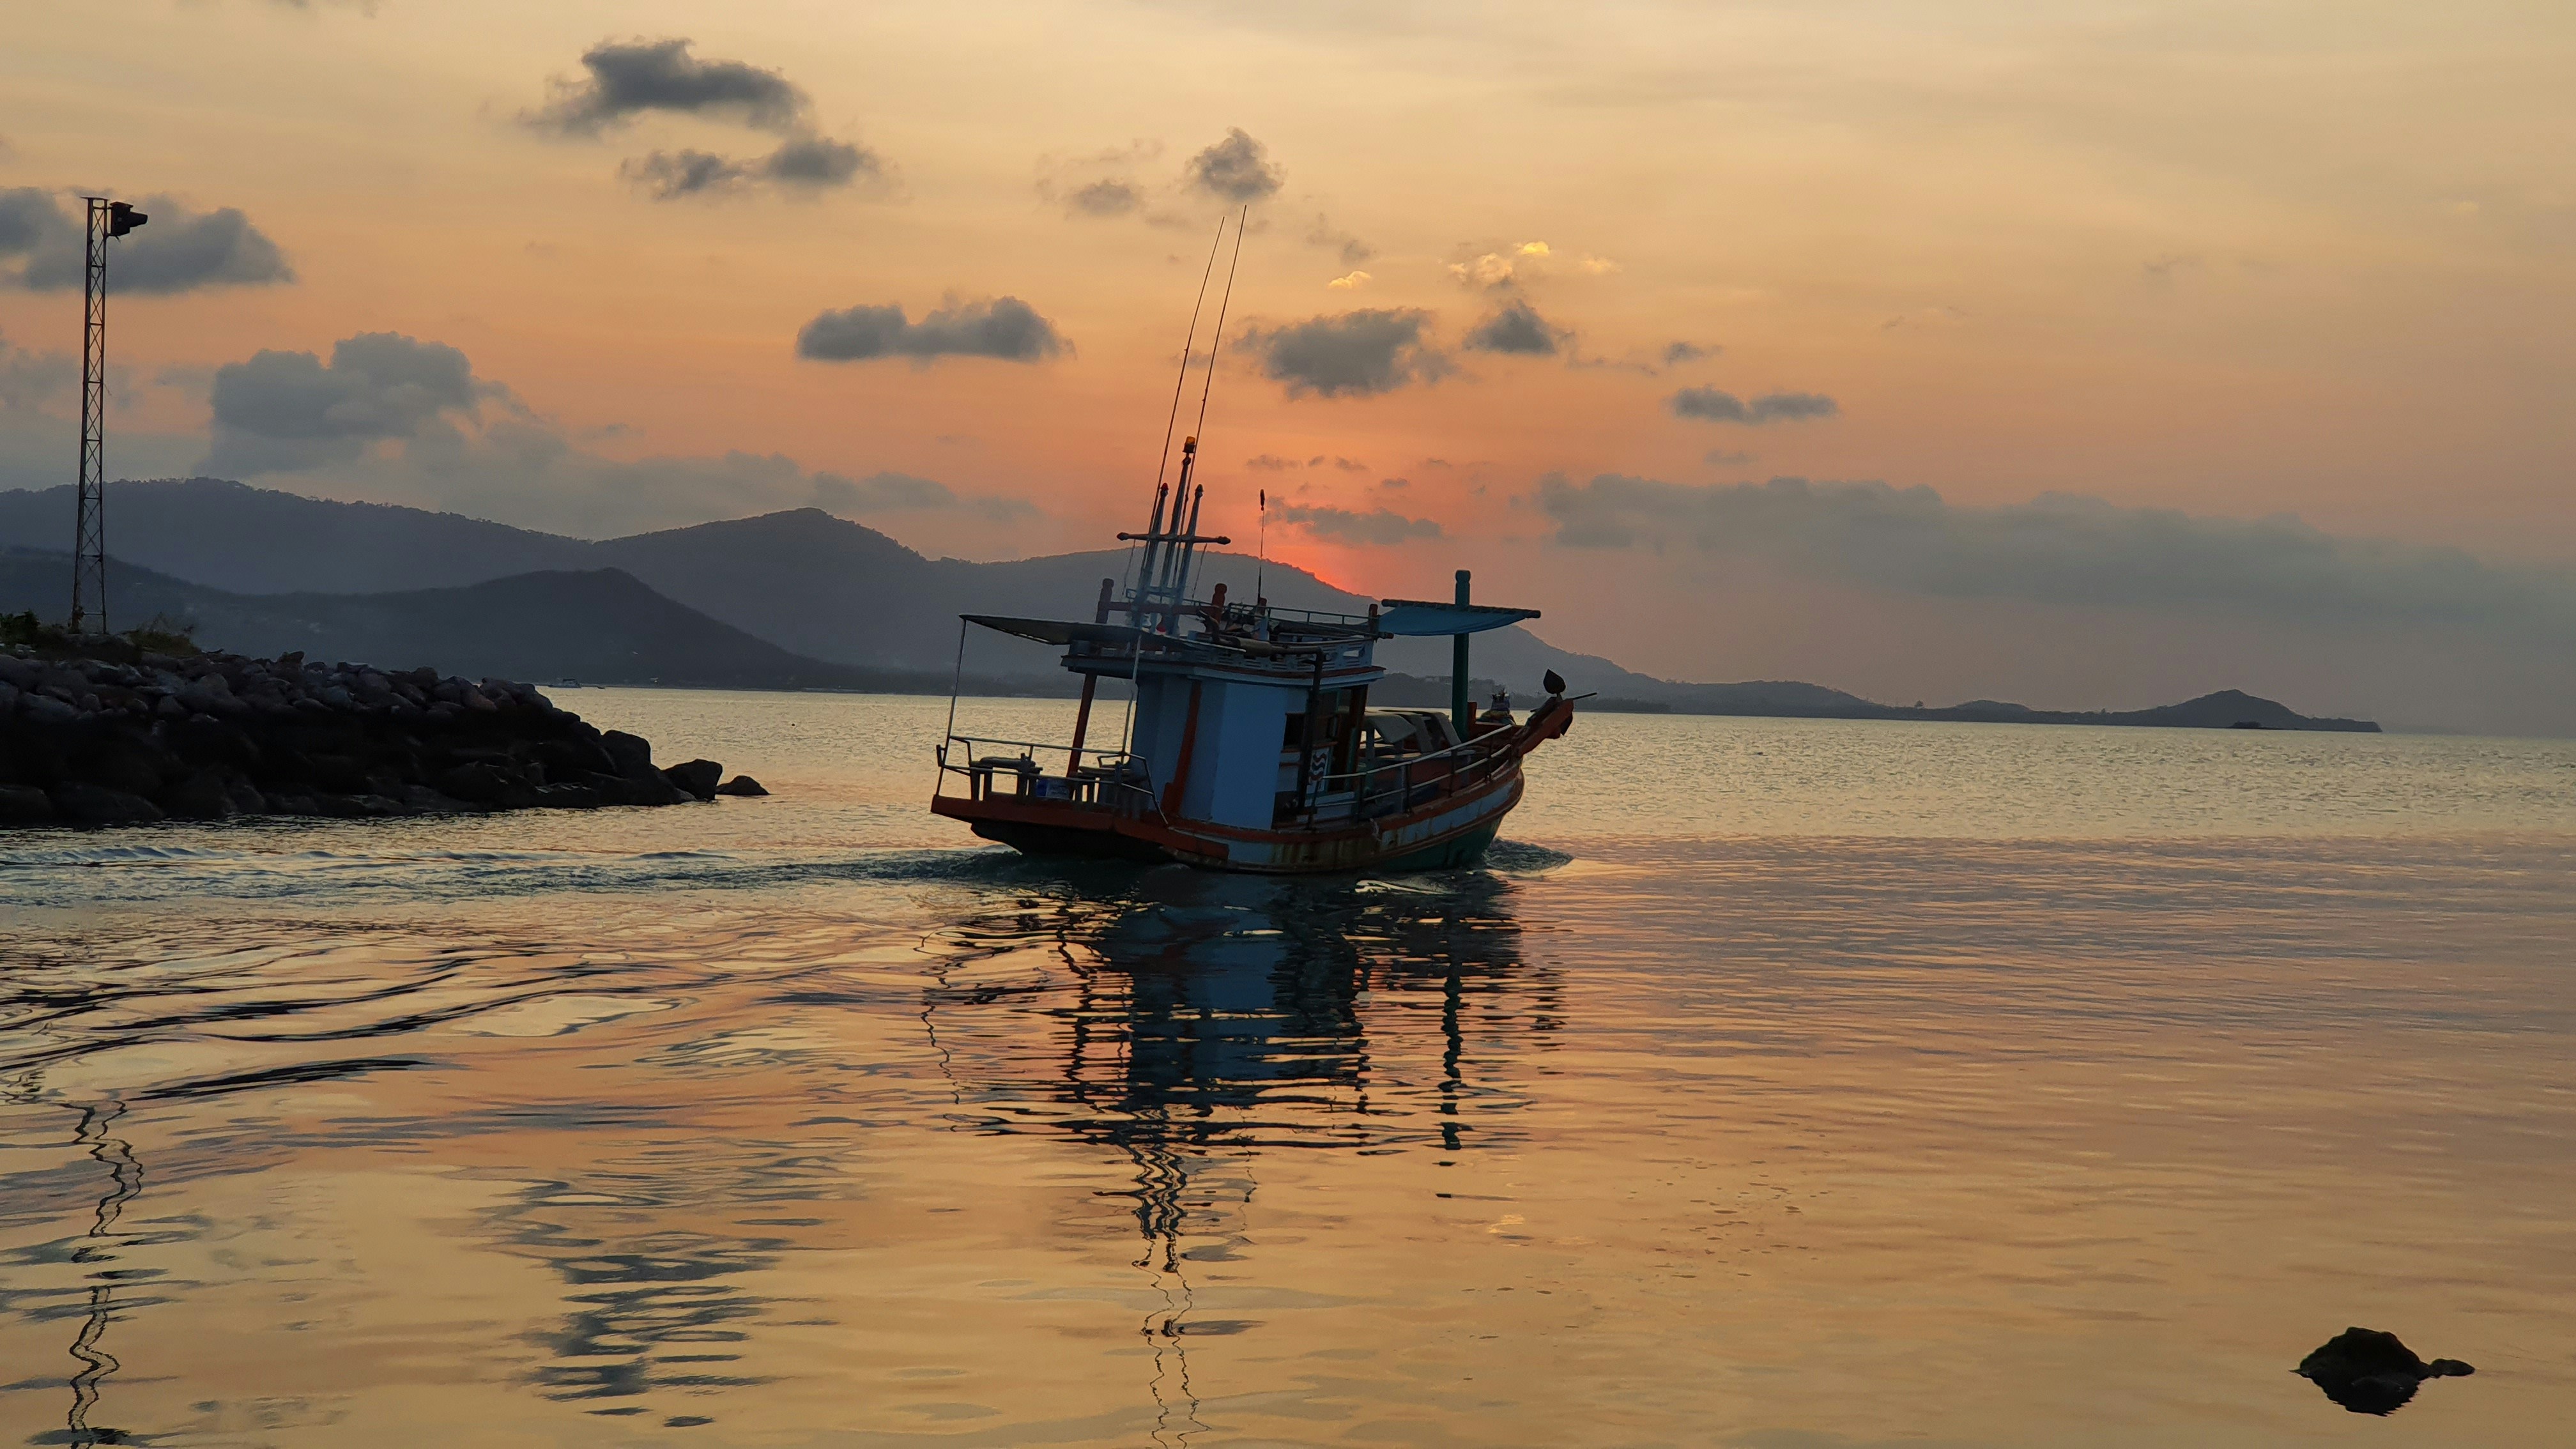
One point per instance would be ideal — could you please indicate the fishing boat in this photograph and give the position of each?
(1249, 743)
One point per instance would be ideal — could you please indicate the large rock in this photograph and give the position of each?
(204, 795)
(25, 805)
(83, 803)
(128, 766)
(741, 785)
(2372, 1372)
(483, 782)
(698, 777)
(627, 753)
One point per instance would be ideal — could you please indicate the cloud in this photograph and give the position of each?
(1349, 282)
(1002, 327)
(810, 163)
(669, 174)
(1497, 270)
(398, 419)
(1677, 353)
(1725, 457)
(1712, 405)
(820, 161)
(283, 412)
(178, 250)
(1270, 463)
(1343, 525)
(1518, 329)
(1107, 197)
(1351, 249)
(1237, 169)
(2063, 550)
(627, 78)
(1350, 465)
(1357, 354)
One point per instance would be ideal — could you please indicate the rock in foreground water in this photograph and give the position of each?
(87, 741)
(2371, 1372)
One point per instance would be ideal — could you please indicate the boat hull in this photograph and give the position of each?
(1452, 831)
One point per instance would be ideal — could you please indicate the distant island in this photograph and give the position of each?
(2227, 709)
(798, 600)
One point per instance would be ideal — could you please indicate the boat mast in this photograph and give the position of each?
(1216, 343)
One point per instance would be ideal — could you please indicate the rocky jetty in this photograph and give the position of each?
(93, 741)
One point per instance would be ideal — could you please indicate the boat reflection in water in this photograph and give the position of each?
(1203, 1020)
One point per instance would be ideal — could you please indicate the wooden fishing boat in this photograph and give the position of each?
(1249, 743)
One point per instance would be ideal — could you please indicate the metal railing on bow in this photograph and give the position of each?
(1112, 778)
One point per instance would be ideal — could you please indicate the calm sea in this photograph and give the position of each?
(1793, 1084)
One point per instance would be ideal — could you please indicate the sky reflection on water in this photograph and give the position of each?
(694, 1127)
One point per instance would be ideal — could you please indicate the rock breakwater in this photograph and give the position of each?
(93, 741)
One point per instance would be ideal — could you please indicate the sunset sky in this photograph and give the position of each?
(2124, 350)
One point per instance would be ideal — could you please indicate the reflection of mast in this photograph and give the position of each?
(1454, 1047)
(1160, 1215)
(125, 1180)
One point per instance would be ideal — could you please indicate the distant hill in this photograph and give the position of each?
(248, 540)
(795, 599)
(600, 626)
(805, 580)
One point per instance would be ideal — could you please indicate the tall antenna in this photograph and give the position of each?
(107, 220)
(1216, 344)
(1163, 462)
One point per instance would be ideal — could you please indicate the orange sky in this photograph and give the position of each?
(2311, 260)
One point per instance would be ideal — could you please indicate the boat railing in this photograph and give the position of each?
(1000, 768)
(1390, 784)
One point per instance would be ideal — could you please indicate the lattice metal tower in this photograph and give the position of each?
(107, 220)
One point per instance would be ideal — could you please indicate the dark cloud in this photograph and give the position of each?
(1003, 327)
(800, 162)
(1350, 465)
(2062, 550)
(671, 174)
(1712, 405)
(289, 411)
(820, 161)
(1677, 353)
(1270, 463)
(1351, 249)
(1237, 169)
(1379, 526)
(1356, 354)
(627, 78)
(178, 250)
(1104, 198)
(1517, 328)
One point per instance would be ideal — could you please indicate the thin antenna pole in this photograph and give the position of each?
(1261, 553)
(1216, 344)
(1219, 340)
(1181, 380)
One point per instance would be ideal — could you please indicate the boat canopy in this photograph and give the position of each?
(1056, 631)
(1405, 617)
